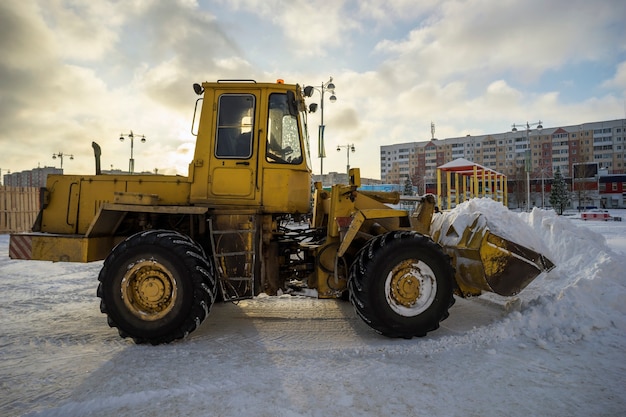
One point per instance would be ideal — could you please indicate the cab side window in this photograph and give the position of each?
(235, 121)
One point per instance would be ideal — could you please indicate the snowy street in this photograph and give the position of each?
(555, 350)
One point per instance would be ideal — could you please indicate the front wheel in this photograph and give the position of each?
(156, 286)
(401, 284)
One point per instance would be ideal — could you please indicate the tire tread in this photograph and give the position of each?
(361, 283)
(192, 256)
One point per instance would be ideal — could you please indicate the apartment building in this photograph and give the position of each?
(539, 149)
(35, 177)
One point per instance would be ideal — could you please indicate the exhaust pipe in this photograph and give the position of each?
(97, 152)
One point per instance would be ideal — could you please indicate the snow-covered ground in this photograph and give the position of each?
(558, 349)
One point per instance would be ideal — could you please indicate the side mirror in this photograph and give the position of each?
(197, 88)
(291, 102)
(312, 107)
(308, 91)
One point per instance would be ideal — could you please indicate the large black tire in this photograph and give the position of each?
(401, 284)
(156, 286)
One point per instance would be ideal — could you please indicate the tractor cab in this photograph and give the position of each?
(252, 147)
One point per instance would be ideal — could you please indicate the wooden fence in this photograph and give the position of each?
(19, 207)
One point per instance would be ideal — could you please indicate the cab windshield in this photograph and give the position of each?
(283, 140)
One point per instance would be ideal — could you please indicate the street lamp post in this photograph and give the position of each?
(528, 157)
(349, 148)
(131, 136)
(308, 92)
(544, 171)
(60, 155)
(543, 200)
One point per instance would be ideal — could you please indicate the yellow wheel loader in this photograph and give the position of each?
(232, 229)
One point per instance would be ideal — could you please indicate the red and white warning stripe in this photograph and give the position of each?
(21, 247)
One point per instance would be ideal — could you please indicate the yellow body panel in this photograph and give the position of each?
(70, 248)
(286, 191)
(74, 200)
(233, 182)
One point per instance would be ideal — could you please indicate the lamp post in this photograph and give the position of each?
(544, 171)
(60, 155)
(349, 148)
(308, 92)
(528, 156)
(131, 136)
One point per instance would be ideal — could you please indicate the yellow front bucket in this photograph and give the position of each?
(485, 261)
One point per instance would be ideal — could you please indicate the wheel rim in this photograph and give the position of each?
(149, 290)
(410, 287)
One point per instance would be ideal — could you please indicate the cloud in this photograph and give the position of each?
(618, 82)
(83, 31)
(395, 10)
(310, 27)
(479, 38)
(36, 84)
(83, 71)
(475, 67)
(26, 46)
(76, 71)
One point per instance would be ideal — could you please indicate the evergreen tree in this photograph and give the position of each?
(559, 197)
(408, 186)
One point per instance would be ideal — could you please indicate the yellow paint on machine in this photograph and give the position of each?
(70, 248)
(72, 201)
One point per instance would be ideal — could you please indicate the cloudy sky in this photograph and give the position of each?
(77, 71)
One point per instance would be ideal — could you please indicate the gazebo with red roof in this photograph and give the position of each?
(470, 180)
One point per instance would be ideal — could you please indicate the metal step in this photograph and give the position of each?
(234, 257)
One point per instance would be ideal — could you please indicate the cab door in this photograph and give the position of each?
(232, 175)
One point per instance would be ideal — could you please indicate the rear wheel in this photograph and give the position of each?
(156, 286)
(401, 284)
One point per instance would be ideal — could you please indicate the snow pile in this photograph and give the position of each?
(299, 356)
(585, 291)
(485, 213)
